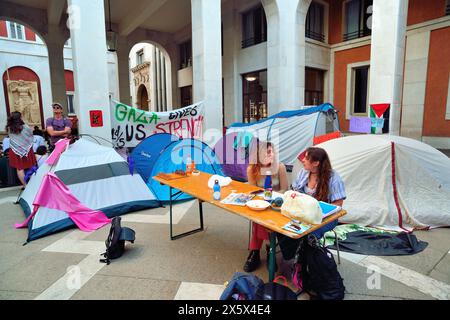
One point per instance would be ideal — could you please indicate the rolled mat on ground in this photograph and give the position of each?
(381, 244)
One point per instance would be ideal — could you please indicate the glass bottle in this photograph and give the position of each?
(268, 186)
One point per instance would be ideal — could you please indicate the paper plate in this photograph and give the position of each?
(257, 205)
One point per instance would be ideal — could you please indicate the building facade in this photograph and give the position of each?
(148, 78)
(26, 80)
(247, 60)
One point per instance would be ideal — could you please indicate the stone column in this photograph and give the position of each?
(153, 81)
(414, 84)
(285, 53)
(163, 82)
(387, 57)
(207, 63)
(171, 77)
(158, 81)
(123, 53)
(54, 40)
(88, 35)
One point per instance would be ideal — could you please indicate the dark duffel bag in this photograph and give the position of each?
(8, 175)
(275, 291)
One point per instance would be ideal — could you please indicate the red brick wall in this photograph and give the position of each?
(341, 60)
(29, 34)
(335, 21)
(69, 80)
(3, 30)
(434, 123)
(424, 10)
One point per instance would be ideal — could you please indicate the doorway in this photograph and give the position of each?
(254, 96)
(143, 98)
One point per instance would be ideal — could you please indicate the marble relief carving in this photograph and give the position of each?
(23, 96)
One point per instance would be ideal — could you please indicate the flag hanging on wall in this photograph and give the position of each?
(376, 114)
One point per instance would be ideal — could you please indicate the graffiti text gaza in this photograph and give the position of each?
(125, 113)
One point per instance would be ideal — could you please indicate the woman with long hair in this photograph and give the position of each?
(263, 161)
(319, 180)
(21, 154)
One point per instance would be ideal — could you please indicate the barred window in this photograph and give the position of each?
(358, 19)
(254, 27)
(185, 54)
(315, 22)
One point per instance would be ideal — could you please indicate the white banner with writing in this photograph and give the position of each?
(130, 125)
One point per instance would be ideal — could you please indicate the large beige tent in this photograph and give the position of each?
(392, 182)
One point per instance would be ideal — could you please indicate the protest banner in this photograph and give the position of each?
(129, 125)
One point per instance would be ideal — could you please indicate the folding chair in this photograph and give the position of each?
(319, 233)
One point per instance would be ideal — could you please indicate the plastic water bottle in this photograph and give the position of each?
(268, 186)
(216, 188)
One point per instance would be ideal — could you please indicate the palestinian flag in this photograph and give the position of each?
(376, 114)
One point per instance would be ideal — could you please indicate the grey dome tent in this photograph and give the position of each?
(292, 131)
(97, 176)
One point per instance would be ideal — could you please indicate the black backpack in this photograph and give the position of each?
(115, 243)
(318, 271)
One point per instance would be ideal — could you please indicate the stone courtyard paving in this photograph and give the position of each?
(194, 267)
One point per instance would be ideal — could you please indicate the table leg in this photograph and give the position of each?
(170, 212)
(172, 237)
(272, 257)
(200, 208)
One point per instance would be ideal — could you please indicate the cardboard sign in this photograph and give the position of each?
(377, 122)
(360, 124)
(96, 118)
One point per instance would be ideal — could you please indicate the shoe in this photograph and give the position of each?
(253, 261)
(267, 259)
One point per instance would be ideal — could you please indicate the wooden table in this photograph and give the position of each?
(197, 186)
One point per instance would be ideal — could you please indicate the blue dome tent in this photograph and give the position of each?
(167, 153)
(147, 152)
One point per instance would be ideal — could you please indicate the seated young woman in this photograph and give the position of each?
(263, 160)
(319, 180)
